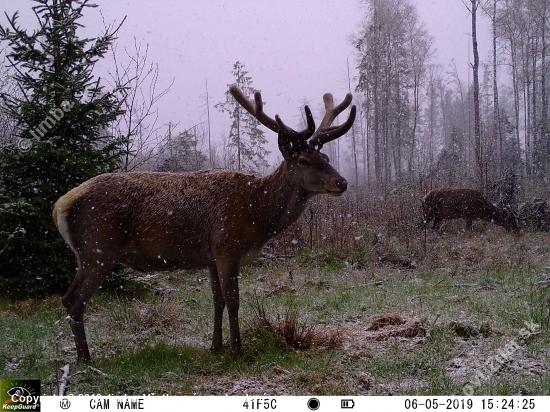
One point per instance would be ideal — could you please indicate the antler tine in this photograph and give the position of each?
(326, 133)
(255, 109)
(330, 111)
(304, 134)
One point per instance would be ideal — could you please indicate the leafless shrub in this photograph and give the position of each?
(291, 331)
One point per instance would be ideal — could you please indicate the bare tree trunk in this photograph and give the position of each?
(210, 154)
(496, 114)
(534, 124)
(366, 152)
(337, 154)
(386, 158)
(527, 107)
(416, 104)
(239, 141)
(365, 133)
(444, 109)
(477, 116)
(353, 148)
(515, 85)
(376, 131)
(395, 130)
(431, 125)
(544, 98)
(465, 106)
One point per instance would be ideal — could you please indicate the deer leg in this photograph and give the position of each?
(219, 305)
(437, 223)
(88, 279)
(425, 224)
(469, 224)
(228, 272)
(427, 218)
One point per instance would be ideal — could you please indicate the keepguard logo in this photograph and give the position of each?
(19, 395)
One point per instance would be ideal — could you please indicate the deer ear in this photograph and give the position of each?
(285, 146)
(292, 142)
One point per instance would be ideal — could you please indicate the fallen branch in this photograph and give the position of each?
(98, 371)
(64, 383)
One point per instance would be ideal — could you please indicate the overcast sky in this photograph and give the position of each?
(292, 49)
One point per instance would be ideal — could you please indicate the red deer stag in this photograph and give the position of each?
(218, 220)
(468, 204)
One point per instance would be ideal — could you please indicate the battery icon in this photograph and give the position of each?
(347, 404)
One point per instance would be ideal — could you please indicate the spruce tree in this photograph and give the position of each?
(61, 119)
(245, 135)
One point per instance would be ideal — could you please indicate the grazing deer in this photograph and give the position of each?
(468, 204)
(218, 220)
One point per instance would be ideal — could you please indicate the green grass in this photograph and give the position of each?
(147, 344)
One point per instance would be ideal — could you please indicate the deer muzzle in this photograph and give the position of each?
(337, 186)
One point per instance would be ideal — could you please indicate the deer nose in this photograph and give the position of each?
(341, 184)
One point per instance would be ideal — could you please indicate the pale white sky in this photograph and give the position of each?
(292, 49)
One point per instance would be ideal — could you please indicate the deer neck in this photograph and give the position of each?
(284, 200)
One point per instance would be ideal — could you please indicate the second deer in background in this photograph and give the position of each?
(468, 204)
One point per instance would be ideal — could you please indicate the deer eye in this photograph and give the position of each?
(303, 162)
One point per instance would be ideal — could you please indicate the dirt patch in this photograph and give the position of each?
(371, 338)
(383, 327)
(463, 330)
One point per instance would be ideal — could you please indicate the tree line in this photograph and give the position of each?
(422, 121)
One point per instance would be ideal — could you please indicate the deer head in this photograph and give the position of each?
(302, 150)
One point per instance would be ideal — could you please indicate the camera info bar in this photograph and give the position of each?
(292, 403)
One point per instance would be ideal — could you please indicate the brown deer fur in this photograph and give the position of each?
(218, 220)
(468, 204)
